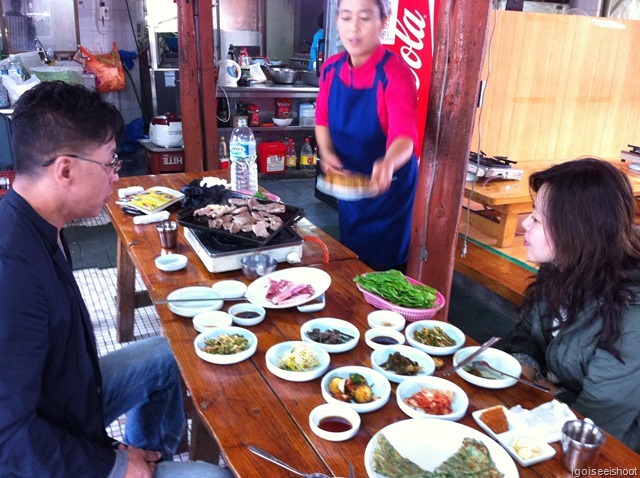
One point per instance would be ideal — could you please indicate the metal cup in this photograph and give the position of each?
(168, 232)
(581, 442)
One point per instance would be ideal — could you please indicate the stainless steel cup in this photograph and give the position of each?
(581, 442)
(168, 232)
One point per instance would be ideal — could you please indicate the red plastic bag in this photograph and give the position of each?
(108, 69)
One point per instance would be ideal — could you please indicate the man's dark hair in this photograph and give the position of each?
(54, 118)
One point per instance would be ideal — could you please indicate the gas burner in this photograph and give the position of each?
(491, 167)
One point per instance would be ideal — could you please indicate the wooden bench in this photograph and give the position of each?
(497, 272)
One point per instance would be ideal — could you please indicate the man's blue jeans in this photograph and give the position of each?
(142, 380)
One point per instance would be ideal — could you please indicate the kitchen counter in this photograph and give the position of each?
(271, 89)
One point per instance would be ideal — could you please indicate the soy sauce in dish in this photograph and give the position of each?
(249, 314)
(334, 424)
(384, 340)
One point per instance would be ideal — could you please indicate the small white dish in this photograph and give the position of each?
(380, 356)
(379, 384)
(386, 318)
(451, 330)
(199, 344)
(329, 416)
(209, 319)
(382, 337)
(507, 439)
(189, 308)
(278, 351)
(230, 289)
(326, 324)
(496, 358)
(247, 314)
(171, 262)
(412, 385)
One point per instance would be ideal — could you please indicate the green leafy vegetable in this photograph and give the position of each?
(393, 286)
(259, 195)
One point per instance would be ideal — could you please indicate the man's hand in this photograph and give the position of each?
(142, 463)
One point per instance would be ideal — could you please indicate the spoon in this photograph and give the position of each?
(483, 366)
(268, 456)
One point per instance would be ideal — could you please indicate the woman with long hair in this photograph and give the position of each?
(580, 328)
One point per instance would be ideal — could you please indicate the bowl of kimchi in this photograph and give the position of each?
(432, 397)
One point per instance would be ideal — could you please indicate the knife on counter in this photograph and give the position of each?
(464, 362)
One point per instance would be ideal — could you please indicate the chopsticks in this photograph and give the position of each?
(482, 348)
(197, 299)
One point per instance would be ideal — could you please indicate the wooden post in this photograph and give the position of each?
(455, 79)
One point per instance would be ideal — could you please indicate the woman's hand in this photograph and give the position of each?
(330, 162)
(382, 175)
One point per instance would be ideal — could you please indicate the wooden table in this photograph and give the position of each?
(505, 200)
(245, 404)
(139, 245)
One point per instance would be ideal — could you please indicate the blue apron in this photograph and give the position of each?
(377, 229)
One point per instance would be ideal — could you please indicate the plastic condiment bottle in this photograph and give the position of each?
(223, 154)
(306, 155)
(291, 158)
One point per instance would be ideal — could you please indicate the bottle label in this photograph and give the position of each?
(242, 150)
(307, 160)
(291, 162)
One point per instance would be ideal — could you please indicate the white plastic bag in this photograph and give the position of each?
(16, 87)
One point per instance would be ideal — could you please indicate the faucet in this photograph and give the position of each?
(42, 52)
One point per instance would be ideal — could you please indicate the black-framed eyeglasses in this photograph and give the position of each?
(115, 163)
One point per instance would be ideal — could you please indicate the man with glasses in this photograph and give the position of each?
(56, 395)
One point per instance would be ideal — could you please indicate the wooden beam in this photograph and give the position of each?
(206, 62)
(459, 52)
(190, 99)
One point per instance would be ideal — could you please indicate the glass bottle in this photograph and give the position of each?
(306, 155)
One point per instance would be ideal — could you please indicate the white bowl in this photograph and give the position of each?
(237, 309)
(209, 319)
(386, 318)
(412, 385)
(328, 323)
(379, 385)
(451, 330)
(337, 411)
(220, 359)
(382, 337)
(497, 359)
(380, 356)
(171, 262)
(276, 352)
(230, 289)
(282, 121)
(193, 308)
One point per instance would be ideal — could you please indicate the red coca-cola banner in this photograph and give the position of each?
(410, 34)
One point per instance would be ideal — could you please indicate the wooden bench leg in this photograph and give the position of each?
(125, 295)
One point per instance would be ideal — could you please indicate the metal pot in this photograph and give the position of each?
(285, 76)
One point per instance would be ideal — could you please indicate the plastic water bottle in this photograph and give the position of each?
(14, 68)
(4, 94)
(242, 153)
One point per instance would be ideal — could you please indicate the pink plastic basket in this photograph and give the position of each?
(410, 315)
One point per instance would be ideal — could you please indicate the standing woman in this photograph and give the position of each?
(366, 123)
(580, 328)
